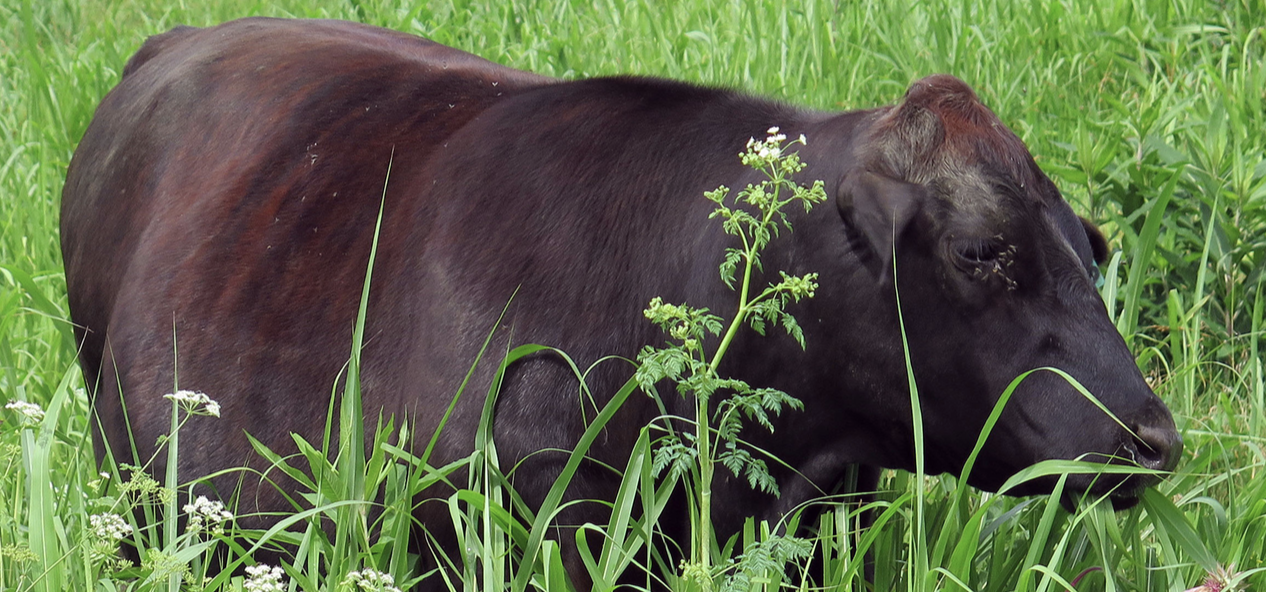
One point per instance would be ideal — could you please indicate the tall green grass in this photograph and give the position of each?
(1147, 113)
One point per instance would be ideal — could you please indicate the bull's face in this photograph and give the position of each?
(997, 277)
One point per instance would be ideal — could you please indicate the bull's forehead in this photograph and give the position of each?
(971, 191)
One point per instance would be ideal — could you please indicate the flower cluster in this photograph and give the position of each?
(162, 566)
(204, 512)
(683, 323)
(264, 578)
(140, 487)
(29, 414)
(1224, 579)
(760, 153)
(105, 530)
(195, 403)
(371, 581)
(109, 527)
(18, 553)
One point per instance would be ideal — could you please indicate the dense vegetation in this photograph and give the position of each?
(1149, 114)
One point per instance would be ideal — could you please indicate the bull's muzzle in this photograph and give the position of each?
(1157, 447)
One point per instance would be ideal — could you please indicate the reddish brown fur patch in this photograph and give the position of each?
(968, 132)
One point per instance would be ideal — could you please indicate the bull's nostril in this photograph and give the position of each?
(1157, 447)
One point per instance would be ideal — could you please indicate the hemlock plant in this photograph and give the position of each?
(755, 216)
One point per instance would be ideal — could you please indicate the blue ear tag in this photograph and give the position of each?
(1098, 278)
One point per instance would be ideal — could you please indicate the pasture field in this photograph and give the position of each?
(1149, 114)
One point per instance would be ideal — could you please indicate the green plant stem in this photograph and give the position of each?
(171, 478)
(744, 306)
(707, 466)
(171, 483)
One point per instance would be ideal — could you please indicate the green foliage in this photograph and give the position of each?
(763, 562)
(1148, 114)
(693, 367)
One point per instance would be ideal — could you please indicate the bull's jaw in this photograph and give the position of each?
(1071, 500)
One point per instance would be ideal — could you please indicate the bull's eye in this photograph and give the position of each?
(975, 251)
(985, 259)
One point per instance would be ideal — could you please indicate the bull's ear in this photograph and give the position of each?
(879, 208)
(1098, 244)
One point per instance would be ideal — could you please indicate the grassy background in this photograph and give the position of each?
(1148, 114)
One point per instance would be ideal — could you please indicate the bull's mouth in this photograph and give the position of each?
(1122, 490)
(1151, 448)
(1120, 501)
(1123, 494)
(1156, 451)
(1125, 502)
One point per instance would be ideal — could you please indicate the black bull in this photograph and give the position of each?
(229, 185)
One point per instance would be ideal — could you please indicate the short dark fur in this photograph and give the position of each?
(228, 188)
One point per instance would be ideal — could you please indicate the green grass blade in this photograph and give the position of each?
(1141, 257)
(1172, 524)
(42, 515)
(555, 495)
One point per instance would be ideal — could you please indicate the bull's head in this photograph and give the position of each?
(997, 277)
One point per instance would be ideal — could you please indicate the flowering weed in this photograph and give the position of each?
(369, 580)
(193, 403)
(206, 514)
(29, 414)
(264, 578)
(754, 217)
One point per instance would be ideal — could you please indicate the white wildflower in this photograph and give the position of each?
(186, 397)
(103, 536)
(264, 578)
(29, 413)
(101, 478)
(195, 403)
(204, 512)
(764, 152)
(371, 581)
(110, 527)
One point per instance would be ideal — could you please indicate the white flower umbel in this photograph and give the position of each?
(204, 513)
(264, 578)
(109, 527)
(762, 153)
(194, 403)
(370, 580)
(104, 533)
(29, 414)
